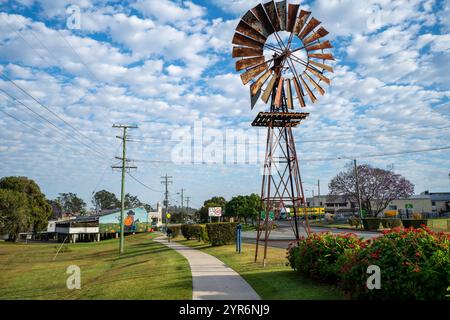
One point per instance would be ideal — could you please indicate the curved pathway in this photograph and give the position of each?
(211, 278)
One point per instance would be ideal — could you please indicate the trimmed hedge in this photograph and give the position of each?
(391, 223)
(176, 230)
(221, 233)
(414, 223)
(194, 231)
(371, 223)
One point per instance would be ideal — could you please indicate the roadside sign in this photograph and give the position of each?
(271, 215)
(168, 216)
(215, 212)
(408, 206)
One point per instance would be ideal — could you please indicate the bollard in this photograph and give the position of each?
(238, 238)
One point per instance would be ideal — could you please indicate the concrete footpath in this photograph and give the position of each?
(211, 278)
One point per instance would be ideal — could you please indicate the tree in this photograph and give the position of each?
(377, 187)
(105, 200)
(38, 207)
(132, 201)
(14, 213)
(213, 202)
(71, 203)
(246, 207)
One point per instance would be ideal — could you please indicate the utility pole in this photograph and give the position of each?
(318, 191)
(357, 189)
(123, 167)
(187, 202)
(166, 180)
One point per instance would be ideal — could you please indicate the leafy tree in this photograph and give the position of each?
(213, 202)
(14, 213)
(132, 201)
(105, 200)
(56, 209)
(71, 203)
(38, 207)
(377, 186)
(245, 207)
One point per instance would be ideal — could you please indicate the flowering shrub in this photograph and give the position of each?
(316, 255)
(414, 264)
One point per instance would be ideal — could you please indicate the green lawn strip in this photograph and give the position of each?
(147, 270)
(274, 282)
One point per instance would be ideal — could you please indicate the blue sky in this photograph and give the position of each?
(166, 64)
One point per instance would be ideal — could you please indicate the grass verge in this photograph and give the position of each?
(27, 271)
(274, 282)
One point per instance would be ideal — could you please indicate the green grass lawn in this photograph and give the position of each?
(147, 270)
(276, 280)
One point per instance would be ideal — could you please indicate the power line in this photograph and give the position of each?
(48, 109)
(51, 123)
(143, 184)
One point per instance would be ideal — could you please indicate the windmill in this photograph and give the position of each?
(280, 51)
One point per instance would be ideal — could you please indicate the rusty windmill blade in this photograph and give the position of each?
(320, 33)
(257, 85)
(242, 40)
(299, 91)
(252, 73)
(321, 65)
(266, 95)
(279, 93)
(315, 84)
(242, 52)
(254, 98)
(308, 28)
(249, 63)
(291, 16)
(319, 46)
(281, 11)
(259, 13)
(318, 75)
(248, 31)
(324, 56)
(250, 19)
(272, 15)
(290, 102)
(308, 90)
(301, 20)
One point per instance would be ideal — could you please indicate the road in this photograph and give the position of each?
(284, 234)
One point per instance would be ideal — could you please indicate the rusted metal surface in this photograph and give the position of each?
(324, 56)
(269, 88)
(281, 11)
(252, 73)
(246, 41)
(320, 46)
(320, 33)
(318, 75)
(299, 91)
(245, 29)
(315, 84)
(272, 15)
(321, 65)
(279, 119)
(257, 85)
(290, 102)
(240, 52)
(259, 13)
(308, 90)
(279, 93)
(253, 22)
(248, 63)
(301, 20)
(308, 28)
(291, 16)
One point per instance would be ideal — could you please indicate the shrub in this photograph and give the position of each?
(354, 222)
(414, 264)
(316, 255)
(414, 223)
(371, 223)
(221, 233)
(391, 223)
(176, 230)
(197, 231)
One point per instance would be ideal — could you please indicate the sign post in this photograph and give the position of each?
(238, 238)
(214, 212)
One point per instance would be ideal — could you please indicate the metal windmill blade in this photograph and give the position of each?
(274, 68)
